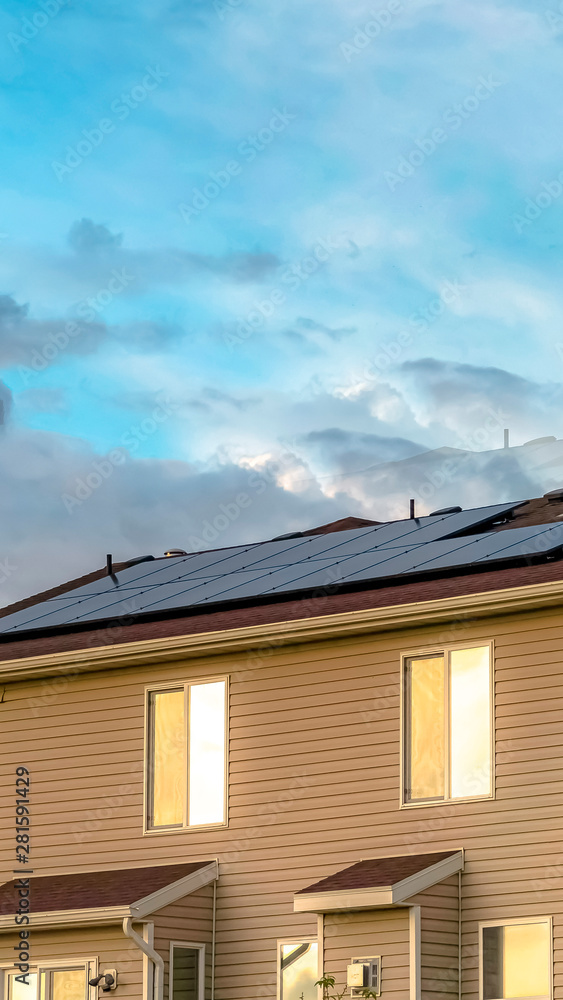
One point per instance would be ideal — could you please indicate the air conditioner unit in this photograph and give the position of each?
(364, 974)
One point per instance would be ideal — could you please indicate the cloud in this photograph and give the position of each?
(86, 236)
(5, 403)
(21, 336)
(141, 506)
(463, 398)
(349, 452)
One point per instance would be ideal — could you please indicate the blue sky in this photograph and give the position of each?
(324, 236)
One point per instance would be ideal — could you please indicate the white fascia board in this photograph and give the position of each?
(427, 877)
(174, 891)
(346, 899)
(68, 918)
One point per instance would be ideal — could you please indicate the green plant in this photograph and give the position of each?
(327, 984)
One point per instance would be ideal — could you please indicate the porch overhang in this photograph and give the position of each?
(101, 889)
(378, 882)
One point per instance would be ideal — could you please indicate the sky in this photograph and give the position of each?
(265, 264)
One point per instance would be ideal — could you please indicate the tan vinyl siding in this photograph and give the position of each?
(314, 783)
(439, 932)
(106, 944)
(190, 921)
(367, 934)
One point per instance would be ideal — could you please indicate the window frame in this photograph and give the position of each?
(506, 923)
(444, 649)
(200, 966)
(304, 939)
(173, 685)
(90, 966)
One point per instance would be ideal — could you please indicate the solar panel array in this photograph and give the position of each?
(314, 562)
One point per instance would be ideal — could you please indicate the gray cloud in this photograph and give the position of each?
(142, 506)
(96, 251)
(461, 396)
(21, 335)
(348, 451)
(5, 403)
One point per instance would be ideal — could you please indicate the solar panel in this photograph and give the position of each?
(284, 566)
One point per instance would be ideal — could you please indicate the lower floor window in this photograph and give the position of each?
(517, 960)
(187, 971)
(298, 970)
(68, 982)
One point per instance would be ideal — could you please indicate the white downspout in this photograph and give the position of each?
(153, 955)
(414, 953)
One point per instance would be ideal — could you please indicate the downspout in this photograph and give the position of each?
(213, 940)
(151, 954)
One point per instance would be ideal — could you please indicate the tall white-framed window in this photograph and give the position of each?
(516, 959)
(57, 980)
(186, 755)
(447, 724)
(298, 969)
(186, 971)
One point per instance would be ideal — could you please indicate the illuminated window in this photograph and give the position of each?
(187, 971)
(516, 960)
(448, 725)
(298, 970)
(57, 982)
(186, 760)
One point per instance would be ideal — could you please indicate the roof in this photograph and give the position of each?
(378, 881)
(335, 597)
(131, 891)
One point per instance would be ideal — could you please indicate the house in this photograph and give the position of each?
(339, 751)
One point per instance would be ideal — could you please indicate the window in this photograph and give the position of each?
(447, 749)
(298, 970)
(186, 761)
(516, 960)
(62, 981)
(187, 971)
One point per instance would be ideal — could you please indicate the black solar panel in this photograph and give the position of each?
(292, 565)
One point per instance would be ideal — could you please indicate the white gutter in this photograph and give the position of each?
(151, 954)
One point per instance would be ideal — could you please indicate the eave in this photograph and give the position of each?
(167, 649)
(383, 896)
(139, 910)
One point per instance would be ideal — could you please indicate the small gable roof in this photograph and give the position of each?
(378, 881)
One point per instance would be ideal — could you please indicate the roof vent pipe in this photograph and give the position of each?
(109, 564)
(506, 437)
(411, 508)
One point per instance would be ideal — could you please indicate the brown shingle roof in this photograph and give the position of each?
(90, 890)
(377, 873)
(284, 611)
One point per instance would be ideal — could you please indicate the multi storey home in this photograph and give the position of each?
(226, 773)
